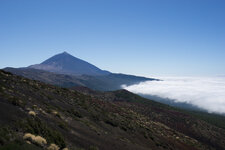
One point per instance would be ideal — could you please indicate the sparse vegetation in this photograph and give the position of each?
(4, 135)
(37, 127)
(109, 120)
(93, 148)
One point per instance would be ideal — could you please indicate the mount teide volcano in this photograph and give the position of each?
(66, 70)
(65, 63)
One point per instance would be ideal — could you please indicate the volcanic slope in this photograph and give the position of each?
(35, 115)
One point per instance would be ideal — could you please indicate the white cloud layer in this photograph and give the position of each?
(207, 93)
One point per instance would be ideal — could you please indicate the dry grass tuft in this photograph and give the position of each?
(53, 147)
(54, 112)
(32, 113)
(28, 136)
(40, 140)
(35, 139)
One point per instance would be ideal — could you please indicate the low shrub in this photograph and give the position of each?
(40, 140)
(32, 113)
(35, 139)
(4, 135)
(53, 147)
(93, 148)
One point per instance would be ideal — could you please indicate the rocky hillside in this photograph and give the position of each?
(35, 115)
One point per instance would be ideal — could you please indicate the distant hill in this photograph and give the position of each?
(34, 115)
(102, 83)
(173, 103)
(65, 63)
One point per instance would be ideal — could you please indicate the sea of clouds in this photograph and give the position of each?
(204, 92)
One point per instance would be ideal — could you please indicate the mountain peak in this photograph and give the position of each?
(65, 63)
(65, 53)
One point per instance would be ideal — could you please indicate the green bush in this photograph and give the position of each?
(93, 148)
(4, 135)
(19, 146)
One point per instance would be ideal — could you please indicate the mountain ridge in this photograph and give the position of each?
(101, 83)
(66, 70)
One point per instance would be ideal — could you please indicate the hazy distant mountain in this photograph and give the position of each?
(66, 70)
(65, 63)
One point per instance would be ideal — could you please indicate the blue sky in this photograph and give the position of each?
(142, 37)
